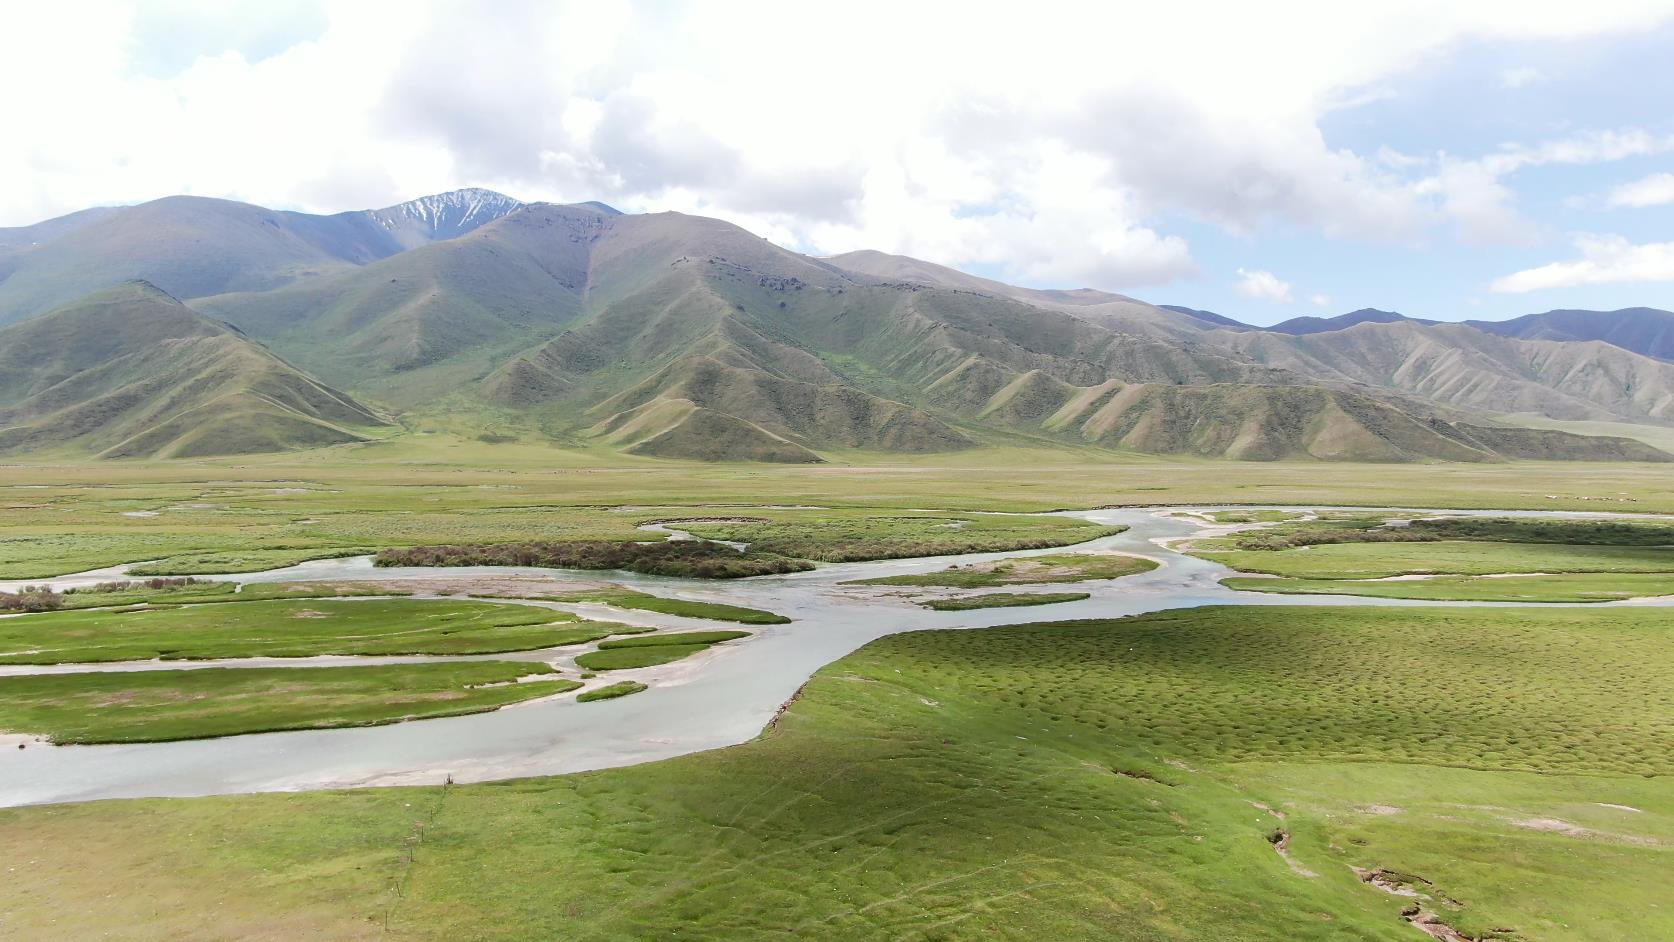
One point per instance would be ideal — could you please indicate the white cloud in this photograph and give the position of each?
(1262, 286)
(1519, 77)
(1605, 259)
(991, 137)
(1654, 190)
(1321, 300)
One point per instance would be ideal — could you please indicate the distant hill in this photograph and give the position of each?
(192, 247)
(131, 372)
(1643, 330)
(1460, 366)
(1299, 326)
(1207, 317)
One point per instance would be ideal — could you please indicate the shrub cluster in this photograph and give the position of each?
(1518, 530)
(31, 598)
(691, 558)
(1264, 540)
(134, 585)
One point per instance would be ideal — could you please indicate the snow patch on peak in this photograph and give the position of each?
(444, 215)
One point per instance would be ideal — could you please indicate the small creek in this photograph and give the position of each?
(720, 697)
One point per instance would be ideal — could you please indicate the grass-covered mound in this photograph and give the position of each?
(621, 688)
(148, 706)
(961, 603)
(1103, 780)
(698, 559)
(652, 649)
(1025, 570)
(290, 628)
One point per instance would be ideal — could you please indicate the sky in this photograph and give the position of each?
(1442, 159)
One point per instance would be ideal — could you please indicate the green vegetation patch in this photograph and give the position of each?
(1553, 587)
(1002, 600)
(1379, 560)
(675, 637)
(148, 706)
(621, 688)
(289, 628)
(187, 564)
(1025, 570)
(617, 659)
(1252, 516)
(163, 591)
(1103, 779)
(696, 559)
(629, 598)
(847, 536)
(650, 650)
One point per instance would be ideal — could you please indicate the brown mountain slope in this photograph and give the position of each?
(1464, 367)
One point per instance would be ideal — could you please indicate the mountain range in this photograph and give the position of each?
(190, 326)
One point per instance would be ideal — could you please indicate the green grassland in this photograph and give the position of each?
(289, 628)
(150, 706)
(1112, 779)
(961, 603)
(643, 601)
(1025, 570)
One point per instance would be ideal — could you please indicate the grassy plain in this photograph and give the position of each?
(289, 628)
(432, 487)
(1025, 570)
(148, 706)
(1115, 779)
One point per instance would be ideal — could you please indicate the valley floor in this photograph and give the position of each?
(1269, 772)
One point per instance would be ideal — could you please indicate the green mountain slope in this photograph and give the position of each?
(132, 372)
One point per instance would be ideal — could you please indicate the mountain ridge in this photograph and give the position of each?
(672, 335)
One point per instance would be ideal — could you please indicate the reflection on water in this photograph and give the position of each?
(718, 698)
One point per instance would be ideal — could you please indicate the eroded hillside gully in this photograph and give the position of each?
(717, 698)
